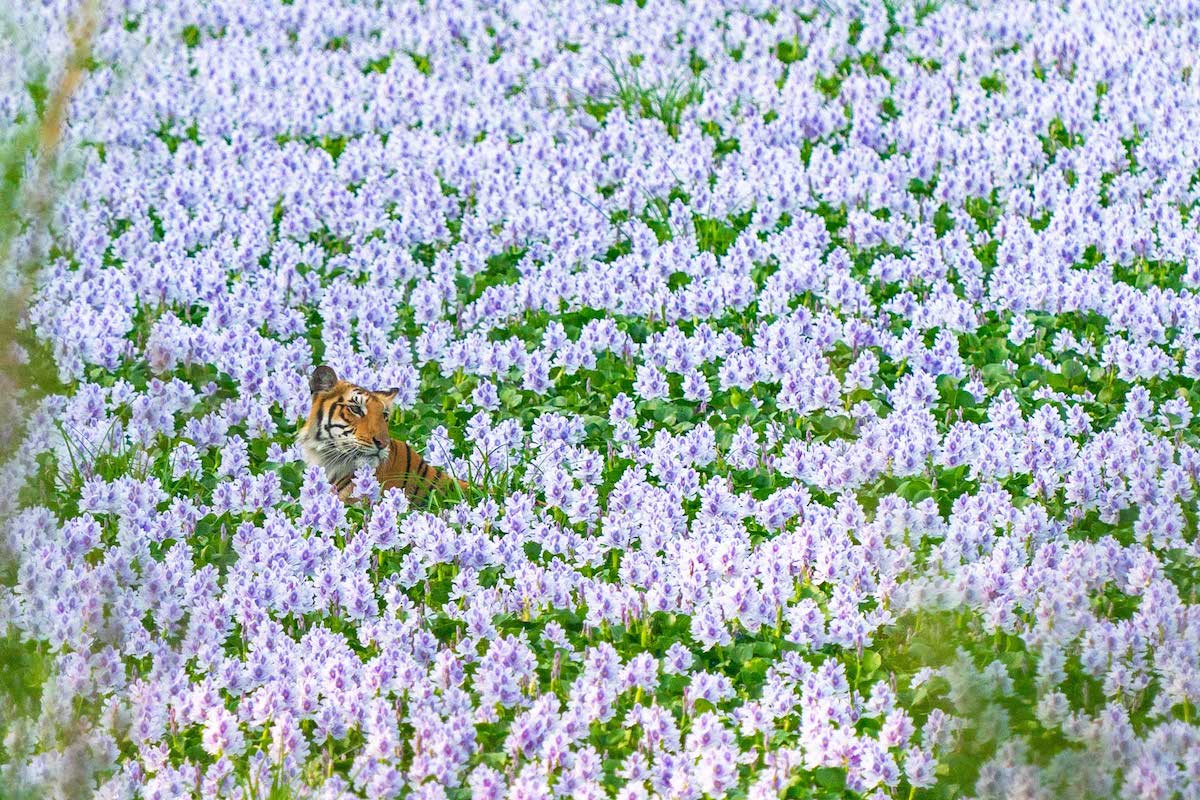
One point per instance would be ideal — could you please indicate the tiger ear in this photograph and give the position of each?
(323, 379)
(386, 396)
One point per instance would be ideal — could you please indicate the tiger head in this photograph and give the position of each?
(347, 426)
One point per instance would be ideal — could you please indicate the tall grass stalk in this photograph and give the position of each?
(31, 153)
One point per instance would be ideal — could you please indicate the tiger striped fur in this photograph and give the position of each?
(347, 428)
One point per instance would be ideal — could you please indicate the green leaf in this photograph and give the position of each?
(830, 778)
(871, 661)
(914, 490)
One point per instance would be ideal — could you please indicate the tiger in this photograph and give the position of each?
(347, 428)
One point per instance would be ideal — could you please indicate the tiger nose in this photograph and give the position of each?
(381, 442)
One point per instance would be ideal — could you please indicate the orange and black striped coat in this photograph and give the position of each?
(347, 428)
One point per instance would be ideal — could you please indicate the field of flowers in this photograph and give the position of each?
(825, 374)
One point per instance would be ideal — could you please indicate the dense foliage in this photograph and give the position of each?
(851, 348)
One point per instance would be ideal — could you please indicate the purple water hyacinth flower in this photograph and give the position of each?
(678, 659)
(221, 733)
(365, 484)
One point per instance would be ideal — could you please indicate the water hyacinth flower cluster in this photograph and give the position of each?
(825, 374)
